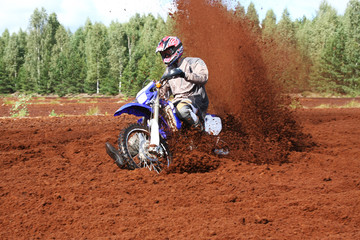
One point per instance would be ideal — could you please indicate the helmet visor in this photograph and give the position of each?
(166, 53)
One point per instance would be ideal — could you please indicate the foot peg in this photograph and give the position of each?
(114, 154)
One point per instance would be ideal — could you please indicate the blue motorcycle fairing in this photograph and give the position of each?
(143, 110)
(137, 109)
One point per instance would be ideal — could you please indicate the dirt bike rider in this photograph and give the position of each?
(189, 88)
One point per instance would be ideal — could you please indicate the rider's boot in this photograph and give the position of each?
(194, 121)
(114, 154)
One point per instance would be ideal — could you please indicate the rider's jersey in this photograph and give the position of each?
(192, 86)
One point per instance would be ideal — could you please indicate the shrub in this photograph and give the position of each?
(19, 109)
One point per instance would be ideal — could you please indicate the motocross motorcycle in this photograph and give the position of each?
(144, 144)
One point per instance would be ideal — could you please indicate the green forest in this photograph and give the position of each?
(320, 55)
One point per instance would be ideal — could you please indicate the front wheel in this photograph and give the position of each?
(134, 146)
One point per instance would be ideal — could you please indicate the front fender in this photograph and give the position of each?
(137, 109)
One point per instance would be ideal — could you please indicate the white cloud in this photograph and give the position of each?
(16, 14)
(73, 14)
(122, 10)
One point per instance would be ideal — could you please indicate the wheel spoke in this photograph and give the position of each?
(134, 142)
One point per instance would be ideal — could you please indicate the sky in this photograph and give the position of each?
(72, 14)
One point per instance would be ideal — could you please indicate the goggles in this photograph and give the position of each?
(167, 53)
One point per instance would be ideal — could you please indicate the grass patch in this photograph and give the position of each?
(8, 102)
(123, 99)
(351, 104)
(19, 108)
(12, 102)
(84, 101)
(325, 106)
(93, 111)
(51, 102)
(295, 104)
(54, 114)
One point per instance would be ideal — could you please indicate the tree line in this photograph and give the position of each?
(320, 54)
(97, 59)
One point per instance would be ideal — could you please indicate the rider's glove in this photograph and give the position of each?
(182, 74)
(173, 73)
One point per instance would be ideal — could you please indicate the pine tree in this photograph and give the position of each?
(96, 47)
(34, 60)
(142, 73)
(117, 55)
(149, 38)
(323, 26)
(5, 83)
(21, 45)
(280, 53)
(77, 63)
(329, 70)
(2, 45)
(352, 47)
(269, 25)
(132, 29)
(59, 67)
(4, 41)
(11, 61)
(303, 33)
(52, 24)
(161, 30)
(240, 11)
(253, 17)
(22, 81)
(323, 30)
(285, 29)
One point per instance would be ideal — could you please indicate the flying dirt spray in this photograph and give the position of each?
(258, 125)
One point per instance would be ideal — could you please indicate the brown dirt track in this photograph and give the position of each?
(58, 182)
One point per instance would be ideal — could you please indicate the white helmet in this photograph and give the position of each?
(170, 49)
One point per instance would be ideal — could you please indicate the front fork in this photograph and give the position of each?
(154, 127)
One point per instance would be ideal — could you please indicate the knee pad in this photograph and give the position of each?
(185, 113)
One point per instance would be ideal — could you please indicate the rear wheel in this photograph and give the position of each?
(134, 146)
